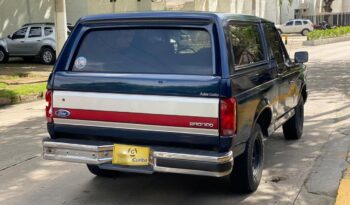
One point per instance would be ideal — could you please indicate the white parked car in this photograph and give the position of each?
(302, 26)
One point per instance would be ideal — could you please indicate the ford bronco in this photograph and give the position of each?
(187, 93)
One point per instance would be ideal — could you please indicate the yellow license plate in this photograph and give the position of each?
(130, 155)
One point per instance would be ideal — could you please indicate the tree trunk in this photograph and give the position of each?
(327, 8)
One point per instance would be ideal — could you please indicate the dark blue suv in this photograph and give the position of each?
(188, 93)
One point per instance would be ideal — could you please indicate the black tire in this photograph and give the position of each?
(4, 57)
(94, 169)
(248, 167)
(293, 128)
(304, 32)
(47, 56)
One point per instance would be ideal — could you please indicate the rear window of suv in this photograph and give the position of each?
(149, 51)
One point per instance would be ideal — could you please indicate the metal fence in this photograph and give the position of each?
(335, 19)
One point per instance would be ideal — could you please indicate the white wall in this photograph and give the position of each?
(346, 5)
(15, 13)
(76, 9)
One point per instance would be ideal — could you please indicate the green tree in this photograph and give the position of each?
(328, 5)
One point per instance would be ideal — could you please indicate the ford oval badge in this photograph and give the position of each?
(62, 113)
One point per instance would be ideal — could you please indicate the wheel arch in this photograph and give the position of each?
(46, 46)
(303, 93)
(3, 47)
(263, 116)
(304, 29)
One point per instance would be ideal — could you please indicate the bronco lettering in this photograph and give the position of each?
(201, 124)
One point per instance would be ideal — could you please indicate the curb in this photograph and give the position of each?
(343, 196)
(326, 41)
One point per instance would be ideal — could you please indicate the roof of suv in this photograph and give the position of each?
(42, 24)
(300, 20)
(39, 24)
(173, 15)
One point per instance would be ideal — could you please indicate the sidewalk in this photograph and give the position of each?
(325, 182)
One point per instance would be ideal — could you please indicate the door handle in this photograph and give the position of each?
(22, 41)
(38, 40)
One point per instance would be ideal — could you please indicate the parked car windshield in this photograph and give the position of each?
(151, 51)
(289, 23)
(21, 33)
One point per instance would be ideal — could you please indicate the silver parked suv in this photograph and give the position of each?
(31, 41)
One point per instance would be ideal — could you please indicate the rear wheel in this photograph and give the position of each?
(94, 169)
(305, 32)
(293, 128)
(4, 57)
(48, 56)
(248, 167)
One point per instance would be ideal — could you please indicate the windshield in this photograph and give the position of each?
(150, 51)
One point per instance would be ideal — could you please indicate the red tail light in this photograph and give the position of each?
(48, 109)
(227, 116)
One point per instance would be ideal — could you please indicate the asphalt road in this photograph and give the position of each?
(296, 172)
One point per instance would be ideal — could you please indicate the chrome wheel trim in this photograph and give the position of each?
(47, 56)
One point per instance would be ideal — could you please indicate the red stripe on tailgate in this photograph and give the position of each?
(141, 118)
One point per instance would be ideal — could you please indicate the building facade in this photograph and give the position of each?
(15, 13)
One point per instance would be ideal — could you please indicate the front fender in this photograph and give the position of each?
(3, 44)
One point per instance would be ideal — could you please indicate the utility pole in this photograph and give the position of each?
(60, 24)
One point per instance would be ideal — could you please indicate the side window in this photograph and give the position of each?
(48, 31)
(34, 32)
(276, 50)
(298, 23)
(246, 44)
(305, 22)
(21, 33)
(289, 23)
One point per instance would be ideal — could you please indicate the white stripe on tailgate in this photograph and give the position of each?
(151, 104)
(185, 130)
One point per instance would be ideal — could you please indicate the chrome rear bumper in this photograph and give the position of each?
(162, 159)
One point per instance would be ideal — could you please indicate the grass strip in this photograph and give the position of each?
(16, 92)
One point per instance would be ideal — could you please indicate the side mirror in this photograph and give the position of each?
(9, 36)
(301, 57)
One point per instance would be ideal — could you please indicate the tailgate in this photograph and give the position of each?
(139, 112)
(92, 109)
